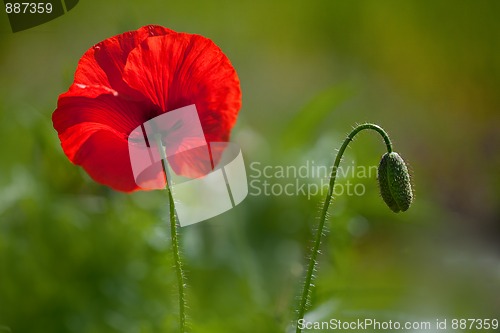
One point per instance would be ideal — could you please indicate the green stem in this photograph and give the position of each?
(178, 264)
(175, 238)
(319, 233)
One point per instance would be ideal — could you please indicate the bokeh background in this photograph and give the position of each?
(76, 256)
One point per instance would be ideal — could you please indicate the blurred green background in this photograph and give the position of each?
(76, 256)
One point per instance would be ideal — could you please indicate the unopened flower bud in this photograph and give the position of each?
(394, 182)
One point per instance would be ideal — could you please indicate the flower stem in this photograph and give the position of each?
(319, 233)
(175, 238)
(178, 263)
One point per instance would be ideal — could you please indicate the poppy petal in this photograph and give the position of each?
(104, 156)
(103, 63)
(106, 109)
(176, 70)
(89, 128)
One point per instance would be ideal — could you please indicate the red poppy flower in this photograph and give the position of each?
(125, 80)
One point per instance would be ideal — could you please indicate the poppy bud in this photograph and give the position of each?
(394, 182)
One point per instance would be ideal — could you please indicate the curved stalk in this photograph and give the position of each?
(319, 233)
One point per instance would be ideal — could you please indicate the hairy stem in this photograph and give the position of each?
(175, 239)
(319, 233)
(178, 264)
